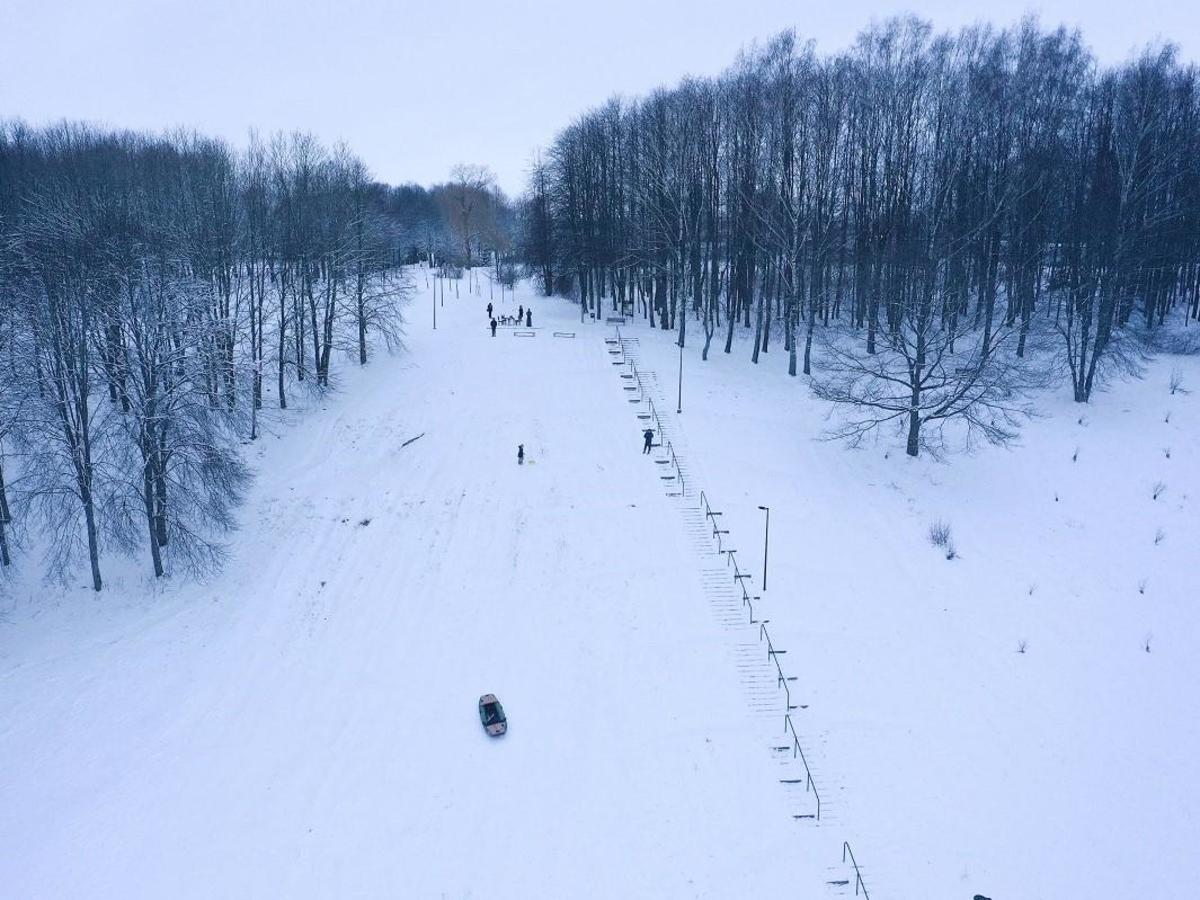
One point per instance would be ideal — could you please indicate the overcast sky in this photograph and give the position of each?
(414, 88)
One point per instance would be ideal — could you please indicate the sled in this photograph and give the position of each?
(491, 714)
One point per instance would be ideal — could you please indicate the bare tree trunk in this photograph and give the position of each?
(93, 536)
(282, 345)
(5, 511)
(151, 514)
(5, 519)
(159, 461)
(362, 317)
(758, 327)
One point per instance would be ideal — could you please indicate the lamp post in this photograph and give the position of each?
(766, 544)
(679, 403)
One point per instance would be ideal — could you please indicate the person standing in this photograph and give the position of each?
(529, 318)
(520, 454)
(493, 327)
(648, 434)
(520, 313)
(489, 310)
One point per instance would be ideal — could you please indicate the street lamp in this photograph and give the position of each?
(679, 403)
(766, 543)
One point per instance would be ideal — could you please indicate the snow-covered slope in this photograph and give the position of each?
(1022, 720)
(305, 725)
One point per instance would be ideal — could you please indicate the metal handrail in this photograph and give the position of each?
(678, 468)
(858, 879)
(774, 657)
(797, 749)
(763, 634)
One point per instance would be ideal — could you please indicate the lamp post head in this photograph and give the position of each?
(764, 507)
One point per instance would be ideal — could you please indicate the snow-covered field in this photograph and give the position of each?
(995, 723)
(305, 723)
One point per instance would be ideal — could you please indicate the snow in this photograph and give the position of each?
(306, 723)
(956, 764)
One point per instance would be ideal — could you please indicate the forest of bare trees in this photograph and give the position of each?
(930, 226)
(157, 295)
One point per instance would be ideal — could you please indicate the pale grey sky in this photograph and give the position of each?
(415, 87)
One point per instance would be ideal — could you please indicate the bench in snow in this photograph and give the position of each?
(564, 334)
(524, 334)
(614, 320)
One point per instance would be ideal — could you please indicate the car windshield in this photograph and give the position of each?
(492, 712)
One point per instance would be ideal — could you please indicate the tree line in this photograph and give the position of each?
(463, 221)
(932, 225)
(157, 294)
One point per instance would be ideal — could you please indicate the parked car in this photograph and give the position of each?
(491, 714)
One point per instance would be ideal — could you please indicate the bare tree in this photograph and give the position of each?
(466, 200)
(923, 195)
(145, 285)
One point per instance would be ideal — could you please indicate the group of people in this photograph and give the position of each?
(522, 314)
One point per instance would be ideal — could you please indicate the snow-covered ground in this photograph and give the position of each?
(305, 724)
(994, 723)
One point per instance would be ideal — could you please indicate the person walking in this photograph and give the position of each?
(493, 327)
(648, 434)
(520, 454)
(520, 313)
(529, 318)
(489, 310)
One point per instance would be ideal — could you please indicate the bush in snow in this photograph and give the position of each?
(939, 536)
(1177, 382)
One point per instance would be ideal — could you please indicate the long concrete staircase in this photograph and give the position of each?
(772, 695)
